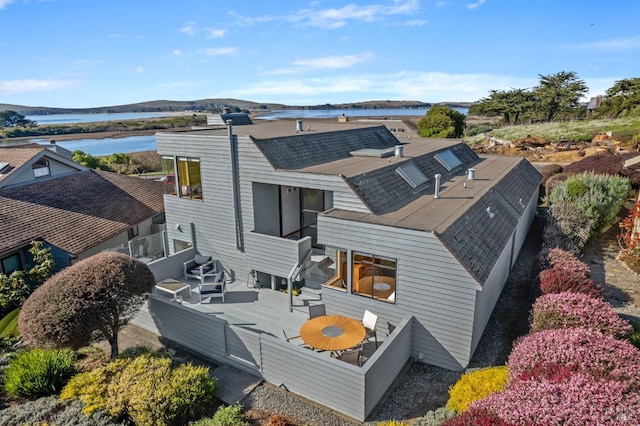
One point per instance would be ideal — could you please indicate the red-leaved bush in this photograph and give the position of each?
(568, 309)
(476, 417)
(582, 350)
(558, 280)
(563, 259)
(580, 400)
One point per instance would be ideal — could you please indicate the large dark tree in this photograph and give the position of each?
(441, 122)
(10, 118)
(558, 93)
(509, 104)
(89, 301)
(621, 99)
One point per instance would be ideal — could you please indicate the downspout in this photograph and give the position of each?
(235, 177)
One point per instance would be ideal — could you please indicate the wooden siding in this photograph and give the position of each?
(492, 288)
(431, 286)
(171, 267)
(266, 209)
(25, 173)
(274, 255)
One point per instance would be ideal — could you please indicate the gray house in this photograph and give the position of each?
(366, 213)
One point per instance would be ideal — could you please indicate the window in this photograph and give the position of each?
(11, 263)
(374, 277)
(169, 178)
(448, 159)
(132, 232)
(189, 181)
(412, 174)
(334, 268)
(41, 168)
(179, 245)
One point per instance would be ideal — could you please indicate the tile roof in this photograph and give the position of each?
(78, 211)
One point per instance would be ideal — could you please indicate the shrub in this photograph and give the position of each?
(582, 350)
(49, 410)
(90, 300)
(580, 400)
(148, 389)
(391, 423)
(278, 420)
(606, 163)
(563, 259)
(560, 280)
(477, 417)
(570, 309)
(634, 337)
(39, 372)
(554, 237)
(476, 385)
(435, 417)
(230, 415)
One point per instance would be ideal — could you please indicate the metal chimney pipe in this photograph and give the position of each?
(400, 151)
(436, 193)
(471, 174)
(299, 126)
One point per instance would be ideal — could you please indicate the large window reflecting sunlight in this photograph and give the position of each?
(189, 181)
(374, 276)
(334, 268)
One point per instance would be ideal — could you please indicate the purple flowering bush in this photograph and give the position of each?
(558, 280)
(582, 350)
(568, 309)
(578, 400)
(476, 417)
(563, 259)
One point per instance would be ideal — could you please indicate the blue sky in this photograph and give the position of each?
(90, 53)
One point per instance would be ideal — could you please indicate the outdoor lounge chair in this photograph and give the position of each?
(369, 321)
(200, 267)
(316, 311)
(215, 288)
(352, 356)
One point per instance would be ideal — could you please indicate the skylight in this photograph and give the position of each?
(448, 159)
(4, 166)
(411, 174)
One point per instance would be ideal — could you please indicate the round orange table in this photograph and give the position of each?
(332, 333)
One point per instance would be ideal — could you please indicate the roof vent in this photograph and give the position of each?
(471, 174)
(299, 127)
(400, 151)
(436, 193)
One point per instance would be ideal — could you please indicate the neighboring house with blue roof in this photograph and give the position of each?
(400, 225)
(76, 211)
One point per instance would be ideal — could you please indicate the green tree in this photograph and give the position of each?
(509, 104)
(88, 301)
(10, 118)
(16, 287)
(441, 122)
(86, 160)
(559, 93)
(620, 99)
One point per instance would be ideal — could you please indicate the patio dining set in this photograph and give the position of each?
(341, 335)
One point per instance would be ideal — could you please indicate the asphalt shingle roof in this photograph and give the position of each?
(77, 211)
(17, 155)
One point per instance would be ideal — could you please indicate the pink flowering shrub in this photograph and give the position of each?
(582, 350)
(563, 259)
(558, 280)
(476, 417)
(578, 401)
(568, 309)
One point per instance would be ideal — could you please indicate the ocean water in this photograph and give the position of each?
(91, 118)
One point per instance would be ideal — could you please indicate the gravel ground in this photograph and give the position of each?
(424, 387)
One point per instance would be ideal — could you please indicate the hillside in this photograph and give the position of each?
(204, 105)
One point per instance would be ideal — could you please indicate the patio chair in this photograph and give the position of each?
(369, 321)
(200, 267)
(317, 311)
(216, 288)
(352, 356)
(290, 338)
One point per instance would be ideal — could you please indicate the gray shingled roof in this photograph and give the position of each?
(77, 211)
(238, 118)
(477, 239)
(308, 149)
(384, 189)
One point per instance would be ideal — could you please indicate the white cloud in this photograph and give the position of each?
(405, 85)
(476, 4)
(139, 70)
(217, 33)
(323, 63)
(616, 44)
(189, 29)
(217, 51)
(177, 52)
(442, 3)
(5, 3)
(9, 87)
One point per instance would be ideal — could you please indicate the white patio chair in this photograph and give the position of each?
(369, 321)
(200, 267)
(216, 288)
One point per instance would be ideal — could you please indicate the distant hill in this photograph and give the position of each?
(210, 105)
